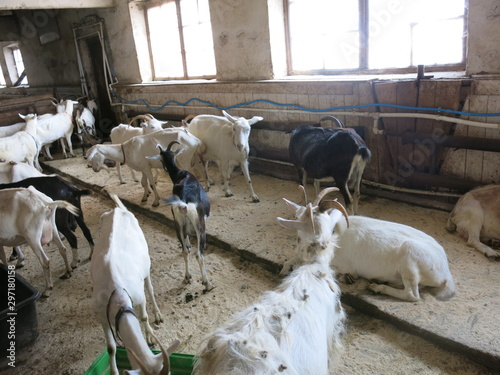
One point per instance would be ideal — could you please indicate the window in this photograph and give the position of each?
(180, 39)
(335, 36)
(18, 61)
(2, 78)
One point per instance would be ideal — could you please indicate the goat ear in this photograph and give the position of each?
(293, 206)
(290, 224)
(255, 119)
(229, 117)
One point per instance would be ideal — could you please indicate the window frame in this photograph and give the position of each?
(364, 48)
(185, 76)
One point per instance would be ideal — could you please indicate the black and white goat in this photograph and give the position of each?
(58, 189)
(295, 329)
(325, 153)
(190, 207)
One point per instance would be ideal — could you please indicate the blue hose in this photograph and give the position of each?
(441, 110)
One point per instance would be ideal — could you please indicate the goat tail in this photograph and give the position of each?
(365, 153)
(117, 201)
(65, 205)
(445, 291)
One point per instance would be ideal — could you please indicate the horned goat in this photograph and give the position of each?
(22, 146)
(295, 329)
(387, 252)
(190, 207)
(124, 132)
(226, 142)
(135, 151)
(338, 153)
(476, 218)
(120, 271)
(28, 216)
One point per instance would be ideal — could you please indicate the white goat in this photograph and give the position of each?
(295, 329)
(85, 119)
(389, 252)
(59, 126)
(28, 216)
(6, 131)
(226, 142)
(135, 152)
(123, 132)
(22, 146)
(476, 218)
(120, 271)
(14, 172)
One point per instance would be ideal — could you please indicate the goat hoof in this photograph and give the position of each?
(65, 276)
(229, 194)
(255, 199)
(208, 287)
(20, 265)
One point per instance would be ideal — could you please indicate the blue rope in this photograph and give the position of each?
(441, 110)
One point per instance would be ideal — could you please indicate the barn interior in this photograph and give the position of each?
(433, 130)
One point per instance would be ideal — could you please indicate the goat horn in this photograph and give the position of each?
(139, 117)
(310, 213)
(139, 362)
(165, 354)
(337, 205)
(333, 118)
(149, 115)
(171, 144)
(323, 193)
(189, 117)
(304, 193)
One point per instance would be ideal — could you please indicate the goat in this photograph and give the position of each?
(226, 142)
(338, 153)
(388, 252)
(190, 207)
(56, 127)
(85, 121)
(28, 216)
(135, 151)
(57, 188)
(120, 271)
(295, 329)
(22, 146)
(476, 218)
(8, 130)
(123, 132)
(13, 172)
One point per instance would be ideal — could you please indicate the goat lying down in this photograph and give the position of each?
(295, 329)
(28, 217)
(190, 208)
(387, 252)
(476, 218)
(120, 270)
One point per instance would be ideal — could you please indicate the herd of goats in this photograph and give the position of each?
(296, 328)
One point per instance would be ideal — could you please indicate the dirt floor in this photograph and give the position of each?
(71, 336)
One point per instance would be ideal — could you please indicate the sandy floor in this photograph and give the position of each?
(71, 337)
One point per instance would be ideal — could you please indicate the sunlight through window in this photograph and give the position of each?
(333, 35)
(181, 47)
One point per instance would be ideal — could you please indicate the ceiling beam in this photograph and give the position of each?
(54, 4)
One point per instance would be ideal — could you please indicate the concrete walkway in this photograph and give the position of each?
(467, 324)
